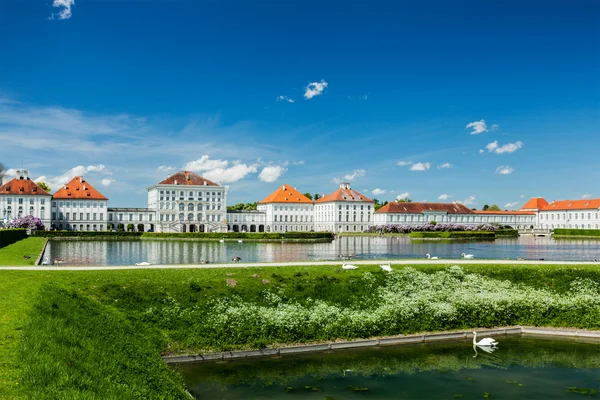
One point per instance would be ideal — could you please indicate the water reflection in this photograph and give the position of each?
(522, 368)
(192, 252)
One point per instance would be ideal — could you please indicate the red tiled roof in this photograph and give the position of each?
(187, 178)
(343, 194)
(285, 194)
(505, 212)
(587, 204)
(417, 208)
(78, 189)
(22, 186)
(535, 203)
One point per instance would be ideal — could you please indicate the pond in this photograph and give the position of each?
(125, 252)
(521, 368)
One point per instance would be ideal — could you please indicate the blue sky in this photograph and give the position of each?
(126, 92)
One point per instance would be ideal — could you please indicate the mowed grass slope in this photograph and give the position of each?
(23, 252)
(100, 334)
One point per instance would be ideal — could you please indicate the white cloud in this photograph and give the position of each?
(504, 170)
(80, 170)
(420, 166)
(507, 148)
(444, 196)
(587, 196)
(404, 163)
(481, 151)
(511, 205)
(469, 201)
(494, 127)
(232, 174)
(445, 165)
(271, 173)
(301, 162)
(378, 191)
(65, 13)
(11, 173)
(403, 196)
(285, 98)
(477, 126)
(166, 168)
(205, 164)
(315, 89)
(107, 181)
(357, 173)
(522, 196)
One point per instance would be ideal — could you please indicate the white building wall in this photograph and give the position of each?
(573, 219)
(288, 217)
(344, 216)
(39, 206)
(80, 215)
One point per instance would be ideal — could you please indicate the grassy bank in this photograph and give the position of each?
(23, 252)
(589, 233)
(64, 330)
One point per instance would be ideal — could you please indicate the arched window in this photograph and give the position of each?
(190, 217)
(181, 217)
(199, 217)
(190, 207)
(181, 207)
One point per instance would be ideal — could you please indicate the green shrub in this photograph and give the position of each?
(85, 234)
(577, 232)
(507, 232)
(10, 236)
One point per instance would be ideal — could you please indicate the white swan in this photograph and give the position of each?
(431, 258)
(349, 266)
(240, 241)
(222, 240)
(143, 263)
(483, 342)
(467, 256)
(386, 267)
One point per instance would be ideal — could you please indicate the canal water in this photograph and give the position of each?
(125, 252)
(520, 368)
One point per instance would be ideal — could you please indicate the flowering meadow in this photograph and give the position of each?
(400, 302)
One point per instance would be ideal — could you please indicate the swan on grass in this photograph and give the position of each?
(431, 258)
(143, 263)
(386, 267)
(489, 342)
(467, 256)
(349, 266)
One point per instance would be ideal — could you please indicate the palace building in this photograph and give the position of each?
(78, 206)
(21, 196)
(344, 210)
(187, 202)
(286, 209)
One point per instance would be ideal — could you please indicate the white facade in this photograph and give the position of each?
(573, 219)
(344, 210)
(134, 219)
(182, 205)
(18, 205)
(246, 221)
(287, 217)
(79, 215)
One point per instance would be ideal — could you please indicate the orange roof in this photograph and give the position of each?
(535, 203)
(344, 193)
(22, 186)
(285, 194)
(78, 189)
(418, 208)
(187, 178)
(505, 212)
(587, 204)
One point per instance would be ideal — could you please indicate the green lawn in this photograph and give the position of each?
(23, 252)
(100, 334)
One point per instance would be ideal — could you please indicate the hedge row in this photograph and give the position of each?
(507, 233)
(577, 232)
(240, 235)
(454, 235)
(9, 236)
(86, 234)
(196, 235)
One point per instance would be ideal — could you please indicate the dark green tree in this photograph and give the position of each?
(44, 186)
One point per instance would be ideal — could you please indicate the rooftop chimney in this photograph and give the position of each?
(345, 185)
(19, 175)
(176, 181)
